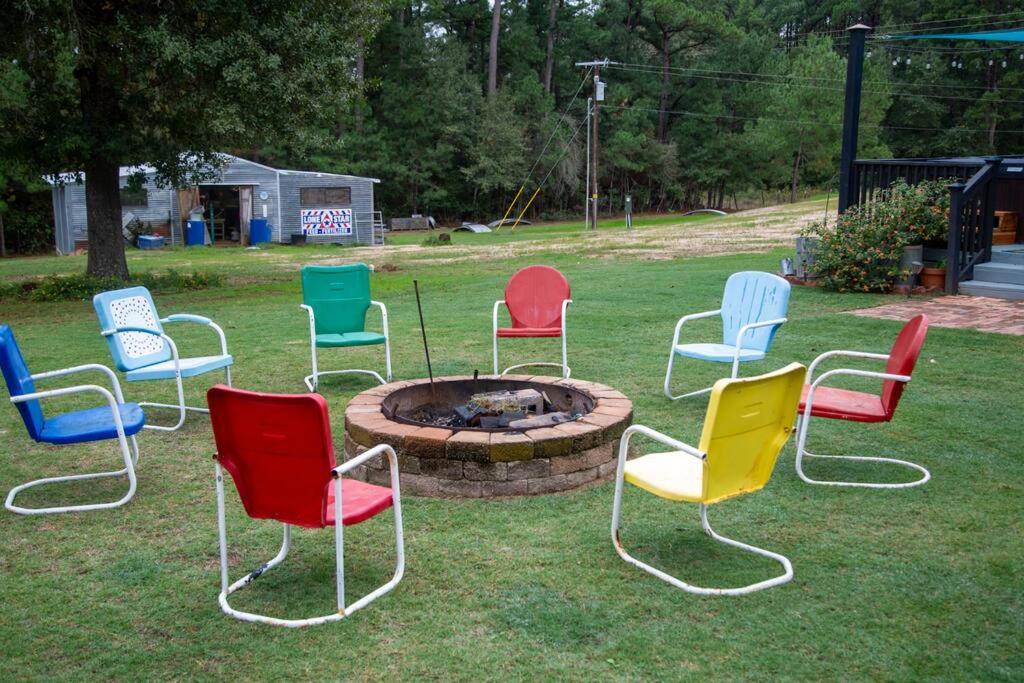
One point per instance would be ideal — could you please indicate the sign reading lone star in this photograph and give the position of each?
(326, 221)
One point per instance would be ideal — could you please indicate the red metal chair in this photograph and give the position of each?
(856, 406)
(279, 452)
(536, 298)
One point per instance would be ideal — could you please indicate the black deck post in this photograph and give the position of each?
(851, 112)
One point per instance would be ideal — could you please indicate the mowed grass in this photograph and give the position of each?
(921, 583)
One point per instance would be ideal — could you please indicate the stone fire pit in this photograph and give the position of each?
(475, 462)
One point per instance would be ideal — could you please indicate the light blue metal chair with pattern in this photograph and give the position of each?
(143, 352)
(754, 306)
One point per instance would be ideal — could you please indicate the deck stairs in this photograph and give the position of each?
(1000, 278)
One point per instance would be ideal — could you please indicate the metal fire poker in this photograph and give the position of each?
(423, 329)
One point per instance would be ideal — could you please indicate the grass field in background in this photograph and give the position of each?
(898, 585)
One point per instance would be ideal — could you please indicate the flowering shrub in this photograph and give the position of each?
(862, 251)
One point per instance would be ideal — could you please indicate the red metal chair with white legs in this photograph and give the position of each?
(279, 452)
(537, 298)
(855, 406)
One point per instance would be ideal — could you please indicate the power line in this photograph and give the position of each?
(693, 114)
(943, 21)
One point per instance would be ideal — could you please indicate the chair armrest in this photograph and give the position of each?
(115, 384)
(360, 459)
(565, 308)
(753, 326)
(849, 354)
(657, 436)
(852, 372)
(497, 305)
(688, 318)
(146, 330)
(383, 315)
(201, 320)
(79, 389)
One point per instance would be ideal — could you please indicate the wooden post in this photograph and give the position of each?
(990, 207)
(851, 112)
(594, 151)
(956, 191)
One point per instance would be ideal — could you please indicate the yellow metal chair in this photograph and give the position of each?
(747, 423)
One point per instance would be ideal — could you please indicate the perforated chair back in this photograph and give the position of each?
(338, 295)
(277, 449)
(131, 307)
(751, 297)
(902, 359)
(19, 381)
(747, 423)
(534, 297)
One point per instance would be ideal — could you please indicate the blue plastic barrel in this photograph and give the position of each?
(259, 231)
(195, 235)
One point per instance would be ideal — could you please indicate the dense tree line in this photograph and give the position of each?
(457, 104)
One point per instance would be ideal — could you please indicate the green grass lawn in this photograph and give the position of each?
(921, 583)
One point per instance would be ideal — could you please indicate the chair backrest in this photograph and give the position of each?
(902, 360)
(747, 423)
(278, 450)
(534, 297)
(19, 381)
(338, 295)
(752, 297)
(131, 307)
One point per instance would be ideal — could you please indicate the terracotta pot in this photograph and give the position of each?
(933, 278)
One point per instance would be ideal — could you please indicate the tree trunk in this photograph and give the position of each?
(549, 63)
(663, 106)
(103, 216)
(3, 242)
(492, 61)
(796, 174)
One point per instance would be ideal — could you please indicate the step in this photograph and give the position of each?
(1000, 272)
(997, 290)
(1012, 254)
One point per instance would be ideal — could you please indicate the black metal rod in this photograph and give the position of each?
(423, 329)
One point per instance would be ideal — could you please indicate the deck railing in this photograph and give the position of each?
(971, 215)
(871, 178)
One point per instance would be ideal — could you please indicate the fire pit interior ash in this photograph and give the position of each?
(489, 436)
(488, 405)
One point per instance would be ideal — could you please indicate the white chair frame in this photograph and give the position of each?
(130, 458)
(689, 451)
(313, 381)
(804, 421)
(564, 365)
(736, 356)
(343, 609)
(180, 405)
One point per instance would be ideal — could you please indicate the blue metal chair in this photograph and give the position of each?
(140, 349)
(116, 420)
(753, 308)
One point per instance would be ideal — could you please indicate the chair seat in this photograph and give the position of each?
(94, 424)
(674, 475)
(359, 501)
(720, 353)
(529, 331)
(190, 367)
(349, 339)
(843, 404)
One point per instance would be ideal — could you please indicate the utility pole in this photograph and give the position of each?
(586, 186)
(851, 112)
(594, 145)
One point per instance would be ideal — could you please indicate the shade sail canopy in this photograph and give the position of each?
(1013, 35)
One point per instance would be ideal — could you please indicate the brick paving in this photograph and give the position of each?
(961, 312)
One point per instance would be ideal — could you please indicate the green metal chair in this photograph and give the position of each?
(336, 299)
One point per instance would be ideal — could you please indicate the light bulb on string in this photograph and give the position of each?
(908, 61)
(928, 65)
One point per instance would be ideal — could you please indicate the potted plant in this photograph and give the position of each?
(934, 277)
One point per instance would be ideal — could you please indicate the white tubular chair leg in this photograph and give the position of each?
(339, 538)
(313, 381)
(804, 422)
(126, 455)
(563, 366)
(668, 578)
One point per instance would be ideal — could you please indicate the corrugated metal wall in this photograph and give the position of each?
(362, 206)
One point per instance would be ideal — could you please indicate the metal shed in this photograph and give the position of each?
(323, 207)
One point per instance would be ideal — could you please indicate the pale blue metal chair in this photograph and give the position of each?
(112, 420)
(753, 308)
(142, 351)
